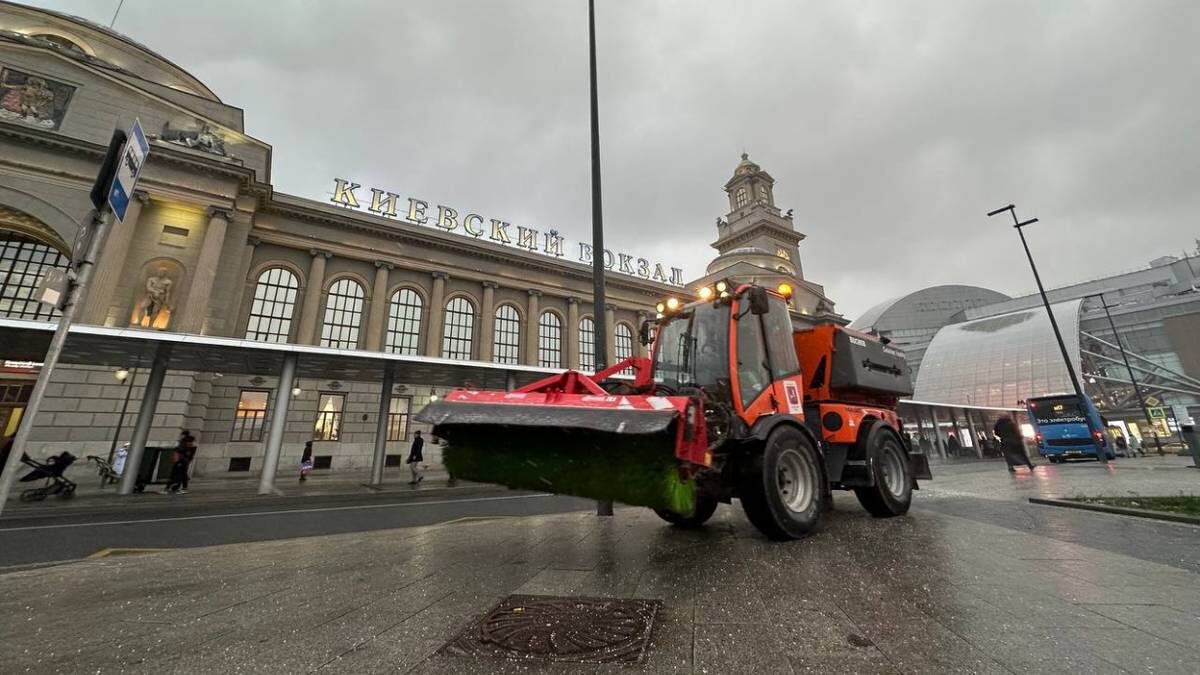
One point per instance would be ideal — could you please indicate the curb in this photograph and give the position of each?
(1119, 510)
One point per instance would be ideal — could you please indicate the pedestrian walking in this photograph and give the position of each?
(953, 446)
(1011, 444)
(181, 459)
(1135, 446)
(306, 461)
(415, 458)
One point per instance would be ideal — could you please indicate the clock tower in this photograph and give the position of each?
(758, 243)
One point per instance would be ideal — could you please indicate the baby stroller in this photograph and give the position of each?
(52, 473)
(108, 472)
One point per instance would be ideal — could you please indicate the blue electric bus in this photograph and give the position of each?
(1060, 423)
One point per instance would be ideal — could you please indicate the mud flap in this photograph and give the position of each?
(918, 464)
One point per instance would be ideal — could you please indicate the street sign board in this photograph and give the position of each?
(1158, 414)
(128, 169)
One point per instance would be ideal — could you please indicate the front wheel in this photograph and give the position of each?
(891, 495)
(781, 492)
(705, 507)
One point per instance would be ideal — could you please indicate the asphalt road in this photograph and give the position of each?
(67, 535)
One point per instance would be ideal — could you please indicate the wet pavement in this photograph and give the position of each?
(975, 579)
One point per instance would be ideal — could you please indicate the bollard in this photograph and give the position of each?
(1188, 431)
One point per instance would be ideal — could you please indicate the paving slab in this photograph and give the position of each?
(935, 591)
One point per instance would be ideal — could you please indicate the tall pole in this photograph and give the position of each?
(600, 348)
(1125, 357)
(95, 222)
(1101, 454)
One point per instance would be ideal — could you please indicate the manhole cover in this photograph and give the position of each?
(547, 628)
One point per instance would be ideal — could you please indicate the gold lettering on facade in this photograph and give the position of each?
(623, 263)
(527, 238)
(343, 193)
(470, 222)
(554, 244)
(416, 211)
(447, 218)
(500, 232)
(608, 259)
(676, 276)
(659, 275)
(585, 253)
(383, 203)
(643, 268)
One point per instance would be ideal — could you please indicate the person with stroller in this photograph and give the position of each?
(181, 460)
(306, 461)
(415, 457)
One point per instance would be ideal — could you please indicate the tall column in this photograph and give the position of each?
(279, 412)
(486, 316)
(381, 426)
(571, 334)
(938, 441)
(141, 428)
(245, 286)
(310, 312)
(379, 306)
(437, 302)
(974, 433)
(110, 265)
(642, 350)
(610, 339)
(532, 315)
(200, 292)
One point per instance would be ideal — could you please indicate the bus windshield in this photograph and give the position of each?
(692, 348)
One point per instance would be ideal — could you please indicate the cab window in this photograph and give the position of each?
(753, 376)
(780, 348)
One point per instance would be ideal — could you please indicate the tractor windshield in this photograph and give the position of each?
(692, 348)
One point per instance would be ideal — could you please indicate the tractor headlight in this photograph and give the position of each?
(672, 304)
(722, 287)
(660, 308)
(705, 293)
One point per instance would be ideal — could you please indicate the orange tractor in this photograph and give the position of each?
(734, 403)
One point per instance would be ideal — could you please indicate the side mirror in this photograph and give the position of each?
(758, 301)
(644, 333)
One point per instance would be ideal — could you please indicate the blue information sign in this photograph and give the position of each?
(129, 167)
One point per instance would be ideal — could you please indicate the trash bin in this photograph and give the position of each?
(1188, 431)
(155, 467)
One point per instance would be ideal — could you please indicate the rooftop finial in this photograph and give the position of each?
(745, 155)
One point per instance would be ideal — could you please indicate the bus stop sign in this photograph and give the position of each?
(129, 167)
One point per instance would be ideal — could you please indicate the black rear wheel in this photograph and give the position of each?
(782, 490)
(891, 495)
(705, 507)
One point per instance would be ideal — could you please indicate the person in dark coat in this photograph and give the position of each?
(181, 460)
(306, 461)
(415, 458)
(1011, 444)
(953, 446)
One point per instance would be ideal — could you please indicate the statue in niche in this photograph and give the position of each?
(154, 309)
(204, 139)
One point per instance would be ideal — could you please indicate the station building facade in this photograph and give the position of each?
(210, 248)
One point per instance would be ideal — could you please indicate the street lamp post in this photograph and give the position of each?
(1125, 357)
(1101, 454)
(600, 335)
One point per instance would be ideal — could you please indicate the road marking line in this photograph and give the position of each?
(105, 552)
(272, 513)
(467, 519)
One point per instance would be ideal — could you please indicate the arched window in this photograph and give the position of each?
(404, 322)
(587, 345)
(506, 335)
(741, 198)
(273, 305)
(458, 329)
(343, 313)
(762, 194)
(623, 342)
(23, 263)
(549, 341)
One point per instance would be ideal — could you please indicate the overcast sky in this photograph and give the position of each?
(890, 127)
